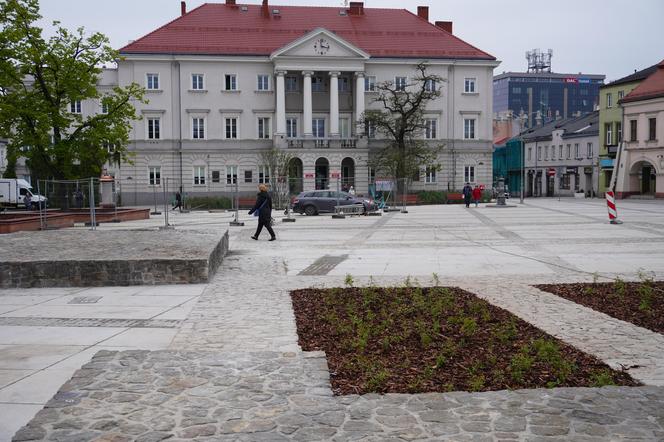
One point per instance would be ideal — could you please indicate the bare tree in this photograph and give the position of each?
(401, 121)
(277, 161)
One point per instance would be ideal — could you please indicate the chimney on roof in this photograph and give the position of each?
(183, 8)
(445, 25)
(265, 9)
(356, 8)
(423, 12)
(230, 2)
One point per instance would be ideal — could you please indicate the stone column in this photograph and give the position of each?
(359, 103)
(334, 104)
(281, 103)
(307, 105)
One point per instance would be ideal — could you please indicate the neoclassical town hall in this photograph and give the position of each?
(227, 81)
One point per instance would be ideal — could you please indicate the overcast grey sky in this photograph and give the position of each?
(611, 37)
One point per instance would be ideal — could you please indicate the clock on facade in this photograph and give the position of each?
(321, 46)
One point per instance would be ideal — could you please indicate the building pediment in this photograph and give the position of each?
(320, 43)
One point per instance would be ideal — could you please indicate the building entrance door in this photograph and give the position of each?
(322, 173)
(550, 185)
(647, 185)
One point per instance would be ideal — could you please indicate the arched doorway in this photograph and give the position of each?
(642, 178)
(322, 173)
(347, 173)
(295, 183)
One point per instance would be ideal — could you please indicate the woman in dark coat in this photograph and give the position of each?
(263, 210)
(467, 194)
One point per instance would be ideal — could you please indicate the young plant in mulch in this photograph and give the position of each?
(640, 302)
(424, 339)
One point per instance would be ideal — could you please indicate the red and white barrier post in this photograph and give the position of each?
(611, 206)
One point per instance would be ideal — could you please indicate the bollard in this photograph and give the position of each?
(154, 195)
(289, 206)
(166, 225)
(236, 199)
(340, 214)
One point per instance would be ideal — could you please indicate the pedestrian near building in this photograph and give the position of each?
(263, 210)
(467, 194)
(27, 201)
(78, 198)
(477, 195)
(178, 201)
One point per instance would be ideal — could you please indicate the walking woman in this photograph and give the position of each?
(263, 210)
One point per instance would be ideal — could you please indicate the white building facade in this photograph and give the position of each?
(214, 109)
(641, 162)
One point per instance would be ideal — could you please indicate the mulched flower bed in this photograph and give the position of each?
(439, 339)
(641, 303)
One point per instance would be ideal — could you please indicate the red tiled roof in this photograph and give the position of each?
(651, 87)
(220, 29)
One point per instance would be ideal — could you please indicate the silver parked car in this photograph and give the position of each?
(321, 201)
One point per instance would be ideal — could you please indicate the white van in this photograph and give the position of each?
(13, 192)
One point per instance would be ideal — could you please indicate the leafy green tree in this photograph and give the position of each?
(40, 79)
(401, 121)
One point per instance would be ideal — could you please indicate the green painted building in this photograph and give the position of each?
(610, 121)
(507, 163)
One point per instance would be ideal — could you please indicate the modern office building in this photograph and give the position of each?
(542, 97)
(611, 120)
(641, 163)
(228, 81)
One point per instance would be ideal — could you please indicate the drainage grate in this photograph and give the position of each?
(323, 265)
(85, 300)
(90, 322)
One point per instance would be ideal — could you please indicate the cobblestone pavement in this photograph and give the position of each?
(235, 372)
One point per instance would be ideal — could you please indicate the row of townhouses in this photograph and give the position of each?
(227, 81)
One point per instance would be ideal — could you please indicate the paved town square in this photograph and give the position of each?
(221, 361)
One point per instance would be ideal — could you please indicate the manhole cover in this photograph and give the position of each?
(85, 300)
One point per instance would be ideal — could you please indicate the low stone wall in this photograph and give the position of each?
(114, 272)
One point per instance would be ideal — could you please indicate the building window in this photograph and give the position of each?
(291, 83)
(546, 153)
(608, 100)
(577, 151)
(231, 174)
(369, 84)
(104, 107)
(108, 147)
(199, 175)
(569, 151)
(154, 173)
(652, 129)
(619, 135)
(632, 130)
(216, 176)
(197, 82)
(590, 150)
(248, 176)
(530, 154)
(263, 174)
(198, 128)
(400, 83)
(469, 174)
(369, 129)
(318, 127)
(431, 129)
(75, 107)
(152, 82)
(231, 128)
(469, 85)
(344, 128)
(153, 128)
(317, 84)
(621, 94)
(516, 90)
(344, 84)
(291, 127)
(560, 152)
(608, 129)
(539, 153)
(230, 82)
(564, 181)
(430, 174)
(264, 128)
(263, 83)
(430, 85)
(469, 128)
